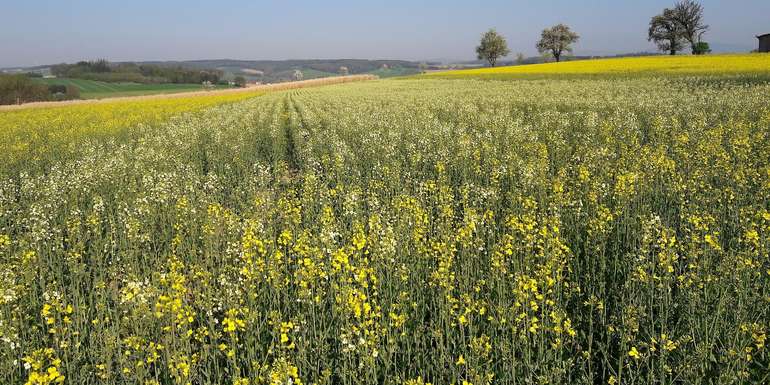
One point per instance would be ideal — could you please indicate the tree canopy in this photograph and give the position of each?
(689, 15)
(677, 26)
(15, 89)
(557, 40)
(666, 32)
(492, 47)
(102, 70)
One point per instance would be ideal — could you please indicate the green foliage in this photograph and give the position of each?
(72, 91)
(57, 88)
(16, 89)
(104, 71)
(702, 48)
(391, 72)
(492, 47)
(557, 40)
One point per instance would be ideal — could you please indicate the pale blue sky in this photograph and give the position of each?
(37, 32)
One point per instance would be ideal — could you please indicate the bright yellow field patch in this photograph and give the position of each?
(26, 134)
(683, 65)
(122, 112)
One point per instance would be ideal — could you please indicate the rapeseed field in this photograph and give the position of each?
(420, 231)
(683, 65)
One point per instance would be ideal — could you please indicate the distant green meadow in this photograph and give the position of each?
(91, 89)
(395, 72)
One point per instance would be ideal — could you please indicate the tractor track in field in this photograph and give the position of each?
(288, 131)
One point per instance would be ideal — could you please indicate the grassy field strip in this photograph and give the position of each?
(93, 86)
(85, 86)
(91, 89)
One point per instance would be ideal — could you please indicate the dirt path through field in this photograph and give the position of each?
(253, 88)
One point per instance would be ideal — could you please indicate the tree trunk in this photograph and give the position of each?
(673, 52)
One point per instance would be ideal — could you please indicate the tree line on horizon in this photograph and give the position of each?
(671, 30)
(103, 70)
(20, 88)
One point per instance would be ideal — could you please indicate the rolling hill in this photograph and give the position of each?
(91, 89)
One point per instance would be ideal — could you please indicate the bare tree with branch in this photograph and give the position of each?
(689, 15)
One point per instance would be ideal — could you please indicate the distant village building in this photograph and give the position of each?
(764, 42)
